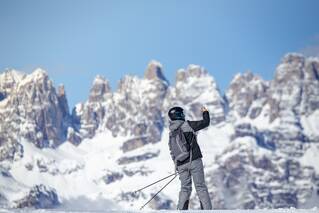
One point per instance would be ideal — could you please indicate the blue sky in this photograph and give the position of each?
(76, 40)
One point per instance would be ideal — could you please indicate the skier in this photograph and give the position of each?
(192, 165)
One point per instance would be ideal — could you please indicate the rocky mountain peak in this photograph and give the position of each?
(191, 71)
(100, 90)
(181, 75)
(244, 90)
(312, 69)
(246, 79)
(8, 81)
(295, 86)
(193, 89)
(36, 110)
(290, 68)
(38, 74)
(99, 80)
(11, 75)
(61, 90)
(136, 108)
(38, 80)
(196, 70)
(246, 76)
(154, 70)
(242, 156)
(291, 58)
(133, 109)
(63, 102)
(125, 83)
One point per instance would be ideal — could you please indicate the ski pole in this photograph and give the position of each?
(155, 182)
(158, 192)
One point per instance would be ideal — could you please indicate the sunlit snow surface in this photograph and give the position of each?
(314, 210)
(76, 172)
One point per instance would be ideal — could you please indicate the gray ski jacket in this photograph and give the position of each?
(189, 135)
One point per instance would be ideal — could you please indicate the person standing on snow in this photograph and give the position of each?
(188, 165)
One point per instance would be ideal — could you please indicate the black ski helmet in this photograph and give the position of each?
(176, 113)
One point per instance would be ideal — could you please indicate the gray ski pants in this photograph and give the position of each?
(197, 172)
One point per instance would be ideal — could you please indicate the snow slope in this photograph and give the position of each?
(81, 173)
(314, 210)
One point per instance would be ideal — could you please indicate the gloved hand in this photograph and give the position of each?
(203, 109)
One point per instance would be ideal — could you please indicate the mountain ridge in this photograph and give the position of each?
(260, 132)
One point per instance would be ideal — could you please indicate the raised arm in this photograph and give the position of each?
(201, 124)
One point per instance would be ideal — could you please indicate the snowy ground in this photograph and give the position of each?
(76, 173)
(314, 210)
(68, 167)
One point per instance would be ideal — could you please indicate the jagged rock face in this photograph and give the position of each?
(32, 108)
(10, 149)
(100, 91)
(133, 109)
(295, 86)
(265, 139)
(246, 95)
(262, 167)
(137, 107)
(88, 116)
(8, 81)
(275, 140)
(154, 70)
(63, 102)
(249, 177)
(6, 149)
(193, 89)
(137, 158)
(294, 90)
(286, 88)
(39, 197)
(310, 95)
(293, 93)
